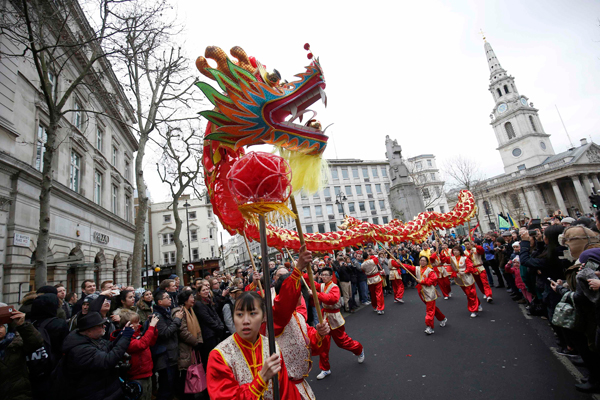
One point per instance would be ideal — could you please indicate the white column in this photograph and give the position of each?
(584, 201)
(532, 200)
(596, 183)
(559, 199)
(586, 184)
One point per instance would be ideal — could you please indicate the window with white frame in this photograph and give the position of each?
(384, 172)
(115, 155)
(387, 188)
(128, 208)
(195, 254)
(192, 215)
(127, 167)
(378, 188)
(194, 235)
(167, 218)
(329, 209)
(382, 205)
(429, 163)
(319, 211)
(168, 238)
(212, 251)
(442, 209)
(365, 172)
(211, 233)
(374, 172)
(355, 172)
(115, 199)
(432, 176)
(169, 257)
(430, 209)
(351, 207)
(75, 173)
(99, 139)
(438, 191)
(426, 193)
(334, 173)
(77, 115)
(42, 138)
(345, 173)
(358, 190)
(348, 191)
(327, 192)
(309, 229)
(368, 188)
(306, 212)
(385, 220)
(52, 81)
(419, 165)
(98, 187)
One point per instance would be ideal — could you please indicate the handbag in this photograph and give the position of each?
(195, 379)
(565, 313)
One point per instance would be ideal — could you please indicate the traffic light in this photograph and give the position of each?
(595, 200)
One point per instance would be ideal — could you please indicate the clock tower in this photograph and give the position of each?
(522, 142)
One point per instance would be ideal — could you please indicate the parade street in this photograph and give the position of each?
(498, 355)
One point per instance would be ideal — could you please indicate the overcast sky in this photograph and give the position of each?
(417, 71)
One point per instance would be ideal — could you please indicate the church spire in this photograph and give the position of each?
(493, 63)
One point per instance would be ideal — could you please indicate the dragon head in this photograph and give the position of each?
(256, 107)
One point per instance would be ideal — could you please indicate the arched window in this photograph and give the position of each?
(532, 123)
(499, 93)
(510, 132)
(506, 89)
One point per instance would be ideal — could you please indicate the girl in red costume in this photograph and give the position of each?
(440, 263)
(396, 280)
(240, 367)
(427, 279)
(463, 277)
(477, 254)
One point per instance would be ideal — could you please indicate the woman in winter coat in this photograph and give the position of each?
(190, 337)
(144, 306)
(211, 325)
(14, 347)
(139, 350)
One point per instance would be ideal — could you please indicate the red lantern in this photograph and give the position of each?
(260, 183)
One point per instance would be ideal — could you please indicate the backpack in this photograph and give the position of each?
(41, 362)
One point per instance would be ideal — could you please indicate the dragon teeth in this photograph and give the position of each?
(323, 96)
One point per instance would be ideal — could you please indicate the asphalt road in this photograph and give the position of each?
(501, 354)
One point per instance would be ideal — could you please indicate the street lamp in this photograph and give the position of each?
(340, 198)
(187, 222)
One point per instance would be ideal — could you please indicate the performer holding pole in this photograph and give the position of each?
(476, 253)
(463, 267)
(370, 267)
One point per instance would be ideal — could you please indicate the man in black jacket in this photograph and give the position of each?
(165, 352)
(87, 287)
(89, 367)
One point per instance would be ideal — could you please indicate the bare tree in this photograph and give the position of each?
(62, 45)
(430, 190)
(181, 168)
(157, 78)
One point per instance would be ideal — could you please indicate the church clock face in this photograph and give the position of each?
(502, 108)
(523, 101)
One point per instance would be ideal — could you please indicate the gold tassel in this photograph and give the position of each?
(272, 211)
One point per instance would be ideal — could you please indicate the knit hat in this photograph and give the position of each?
(568, 220)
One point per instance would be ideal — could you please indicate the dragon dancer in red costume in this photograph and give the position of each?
(476, 254)
(329, 297)
(370, 267)
(396, 279)
(463, 270)
(441, 264)
(240, 367)
(427, 279)
(296, 339)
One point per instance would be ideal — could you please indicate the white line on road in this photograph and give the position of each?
(571, 368)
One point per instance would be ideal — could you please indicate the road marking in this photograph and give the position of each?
(524, 311)
(571, 368)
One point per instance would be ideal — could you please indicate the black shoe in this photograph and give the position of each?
(587, 387)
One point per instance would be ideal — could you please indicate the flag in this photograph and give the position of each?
(502, 223)
(512, 221)
(472, 231)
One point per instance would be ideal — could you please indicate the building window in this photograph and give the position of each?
(432, 176)
(334, 173)
(303, 195)
(337, 190)
(355, 172)
(430, 209)
(429, 163)
(169, 257)
(487, 208)
(42, 138)
(332, 227)
(510, 132)
(321, 228)
(385, 220)
(192, 215)
(211, 233)
(127, 170)
(378, 188)
(209, 214)
(499, 93)
(382, 204)
(78, 115)
(351, 207)
(168, 238)
(384, 172)
(387, 188)
(306, 211)
(316, 196)
(98, 188)
(372, 205)
(127, 208)
(368, 189)
(309, 229)
(327, 192)
(515, 201)
(348, 191)
(442, 209)
(99, 139)
(358, 190)
(194, 235)
(365, 172)
(319, 211)
(376, 220)
(74, 177)
(506, 91)
(419, 165)
(212, 251)
(361, 205)
(426, 193)
(340, 208)
(438, 191)
(521, 167)
(52, 82)
(374, 172)
(114, 156)
(329, 209)
(115, 199)
(195, 254)
(167, 218)
(345, 173)
(532, 122)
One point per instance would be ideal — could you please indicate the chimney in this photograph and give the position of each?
(583, 141)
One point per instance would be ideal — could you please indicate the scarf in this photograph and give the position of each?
(4, 343)
(192, 323)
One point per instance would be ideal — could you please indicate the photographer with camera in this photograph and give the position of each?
(88, 369)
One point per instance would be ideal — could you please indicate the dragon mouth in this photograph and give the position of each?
(287, 114)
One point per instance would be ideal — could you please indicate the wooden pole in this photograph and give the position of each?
(391, 255)
(258, 284)
(311, 278)
(269, 304)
